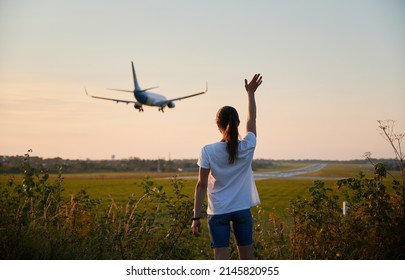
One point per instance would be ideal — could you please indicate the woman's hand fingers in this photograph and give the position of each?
(196, 228)
(254, 83)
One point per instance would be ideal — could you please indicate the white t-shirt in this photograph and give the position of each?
(231, 187)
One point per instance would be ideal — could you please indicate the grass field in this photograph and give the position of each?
(136, 224)
(275, 194)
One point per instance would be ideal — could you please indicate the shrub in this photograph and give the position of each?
(374, 228)
(317, 224)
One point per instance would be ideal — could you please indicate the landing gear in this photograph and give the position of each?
(139, 107)
(161, 109)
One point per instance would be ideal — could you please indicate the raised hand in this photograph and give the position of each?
(252, 86)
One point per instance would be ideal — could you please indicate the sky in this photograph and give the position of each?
(330, 70)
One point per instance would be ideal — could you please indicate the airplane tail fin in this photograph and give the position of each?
(136, 85)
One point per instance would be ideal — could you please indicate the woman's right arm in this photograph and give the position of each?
(251, 88)
(199, 197)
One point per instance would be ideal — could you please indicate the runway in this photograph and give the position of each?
(279, 174)
(290, 173)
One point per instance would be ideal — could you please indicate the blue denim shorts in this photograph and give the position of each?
(220, 228)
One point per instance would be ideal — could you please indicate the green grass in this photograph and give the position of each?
(275, 194)
(117, 230)
(120, 189)
(342, 170)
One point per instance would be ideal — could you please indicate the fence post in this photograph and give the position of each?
(346, 208)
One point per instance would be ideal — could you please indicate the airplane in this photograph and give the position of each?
(145, 97)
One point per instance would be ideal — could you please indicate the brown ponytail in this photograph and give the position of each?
(228, 121)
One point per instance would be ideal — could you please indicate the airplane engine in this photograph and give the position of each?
(138, 106)
(171, 105)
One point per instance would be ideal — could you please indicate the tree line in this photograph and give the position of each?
(13, 164)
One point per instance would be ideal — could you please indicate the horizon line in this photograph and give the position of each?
(172, 159)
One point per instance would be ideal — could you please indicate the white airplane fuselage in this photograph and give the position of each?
(149, 98)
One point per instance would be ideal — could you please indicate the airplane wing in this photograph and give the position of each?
(131, 91)
(124, 90)
(187, 96)
(112, 99)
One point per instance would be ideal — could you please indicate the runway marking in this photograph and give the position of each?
(290, 173)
